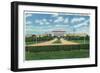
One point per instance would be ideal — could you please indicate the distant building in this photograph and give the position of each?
(58, 33)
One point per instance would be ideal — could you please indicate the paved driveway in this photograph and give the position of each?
(63, 42)
(44, 43)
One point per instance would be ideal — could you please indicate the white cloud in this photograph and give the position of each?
(74, 20)
(66, 20)
(28, 15)
(47, 23)
(59, 19)
(28, 22)
(37, 21)
(55, 15)
(85, 23)
(58, 25)
(29, 28)
(50, 20)
(42, 22)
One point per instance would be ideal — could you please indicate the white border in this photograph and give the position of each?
(60, 62)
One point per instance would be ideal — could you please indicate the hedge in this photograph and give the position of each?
(56, 48)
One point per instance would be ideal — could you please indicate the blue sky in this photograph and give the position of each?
(40, 23)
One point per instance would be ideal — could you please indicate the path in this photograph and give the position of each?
(65, 42)
(44, 43)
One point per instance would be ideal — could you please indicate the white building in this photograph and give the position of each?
(58, 33)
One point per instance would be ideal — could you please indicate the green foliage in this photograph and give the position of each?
(28, 39)
(38, 39)
(76, 37)
(57, 54)
(56, 48)
(81, 41)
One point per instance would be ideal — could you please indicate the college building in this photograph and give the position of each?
(58, 33)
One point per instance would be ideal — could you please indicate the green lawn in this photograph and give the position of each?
(56, 48)
(81, 41)
(57, 54)
(29, 43)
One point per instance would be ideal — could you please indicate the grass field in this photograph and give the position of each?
(57, 52)
(57, 55)
(81, 41)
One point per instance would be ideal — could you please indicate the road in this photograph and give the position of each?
(63, 42)
(44, 43)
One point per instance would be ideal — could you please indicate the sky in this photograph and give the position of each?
(46, 22)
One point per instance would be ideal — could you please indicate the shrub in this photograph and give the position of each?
(56, 48)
